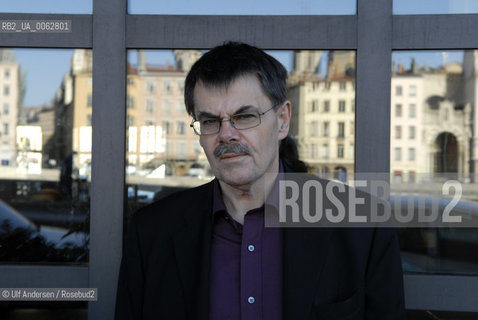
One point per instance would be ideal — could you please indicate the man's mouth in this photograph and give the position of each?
(231, 155)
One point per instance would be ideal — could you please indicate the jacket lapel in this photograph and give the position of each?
(192, 251)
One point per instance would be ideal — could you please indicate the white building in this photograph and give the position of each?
(11, 94)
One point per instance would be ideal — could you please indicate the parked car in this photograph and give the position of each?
(22, 240)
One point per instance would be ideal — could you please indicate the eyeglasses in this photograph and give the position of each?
(240, 121)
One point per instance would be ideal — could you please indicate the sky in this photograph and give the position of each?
(55, 63)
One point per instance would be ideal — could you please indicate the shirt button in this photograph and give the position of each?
(251, 248)
(251, 300)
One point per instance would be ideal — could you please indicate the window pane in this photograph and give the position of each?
(45, 155)
(164, 154)
(246, 7)
(434, 6)
(433, 141)
(47, 6)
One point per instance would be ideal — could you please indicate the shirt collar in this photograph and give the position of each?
(272, 199)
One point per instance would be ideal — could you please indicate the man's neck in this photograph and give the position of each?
(240, 199)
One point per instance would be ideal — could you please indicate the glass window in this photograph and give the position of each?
(246, 7)
(398, 132)
(437, 150)
(398, 110)
(174, 159)
(47, 6)
(89, 100)
(411, 154)
(398, 154)
(412, 110)
(340, 151)
(342, 106)
(434, 7)
(325, 151)
(46, 157)
(341, 130)
(326, 129)
(411, 132)
(6, 108)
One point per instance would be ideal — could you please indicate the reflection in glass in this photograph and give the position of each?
(163, 152)
(245, 7)
(45, 155)
(435, 7)
(433, 99)
(321, 89)
(47, 6)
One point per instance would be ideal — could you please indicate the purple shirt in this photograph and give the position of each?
(246, 264)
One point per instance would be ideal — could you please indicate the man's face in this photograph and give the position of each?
(241, 157)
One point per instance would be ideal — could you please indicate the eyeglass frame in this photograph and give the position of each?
(260, 114)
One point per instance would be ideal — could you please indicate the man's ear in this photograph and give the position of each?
(284, 115)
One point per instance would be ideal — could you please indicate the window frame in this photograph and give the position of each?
(373, 32)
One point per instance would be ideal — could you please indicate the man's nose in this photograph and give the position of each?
(227, 132)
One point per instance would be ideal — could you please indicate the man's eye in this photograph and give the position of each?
(208, 122)
(244, 116)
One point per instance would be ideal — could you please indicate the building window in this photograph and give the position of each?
(398, 90)
(326, 129)
(412, 109)
(398, 154)
(89, 101)
(130, 81)
(340, 151)
(88, 120)
(315, 106)
(411, 154)
(398, 132)
(412, 91)
(181, 148)
(166, 127)
(150, 122)
(130, 102)
(181, 129)
(341, 132)
(166, 105)
(342, 86)
(181, 86)
(130, 120)
(411, 132)
(6, 108)
(325, 151)
(5, 129)
(342, 106)
(398, 110)
(149, 106)
(313, 128)
(326, 106)
(313, 151)
(6, 73)
(6, 90)
(150, 86)
(167, 86)
(352, 105)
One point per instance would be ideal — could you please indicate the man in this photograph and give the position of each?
(205, 253)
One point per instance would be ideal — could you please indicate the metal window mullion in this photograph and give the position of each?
(108, 156)
(268, 32)
(441, 292)
(374, 48)
(448, 31)
(43, 276)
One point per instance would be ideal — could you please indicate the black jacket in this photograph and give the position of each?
(329, 273)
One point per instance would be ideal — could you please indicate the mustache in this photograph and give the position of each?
(231, 148)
